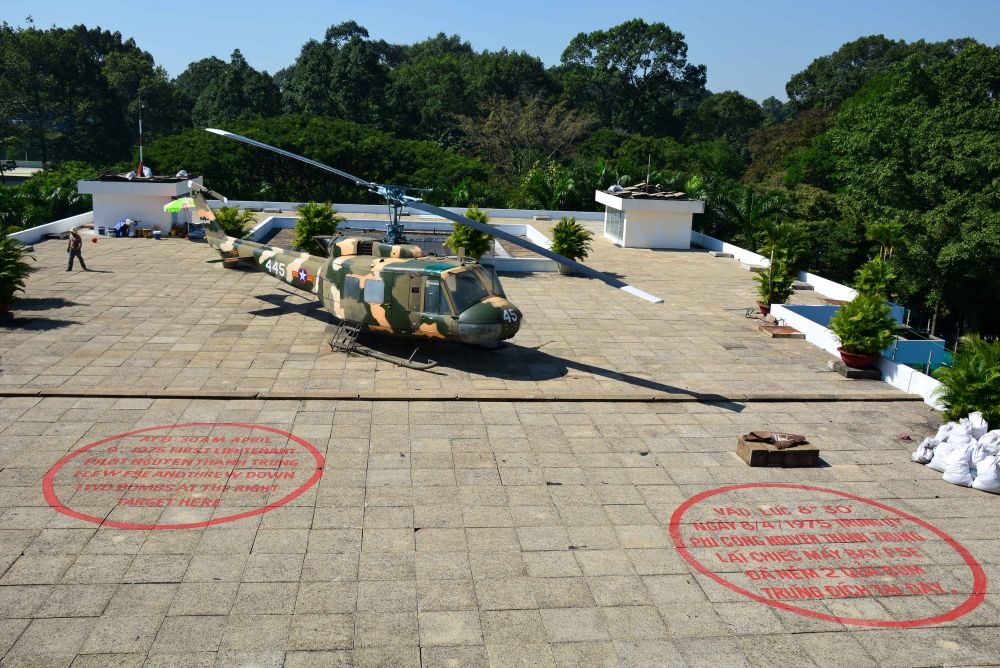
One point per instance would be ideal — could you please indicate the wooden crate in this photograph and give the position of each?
(765, 454)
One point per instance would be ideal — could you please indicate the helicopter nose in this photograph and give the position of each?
(486, 323)
(510, 322)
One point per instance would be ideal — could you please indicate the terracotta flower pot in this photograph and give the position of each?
(857, 360)
(764, 308)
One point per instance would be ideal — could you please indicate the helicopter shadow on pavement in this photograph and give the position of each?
(508, 362)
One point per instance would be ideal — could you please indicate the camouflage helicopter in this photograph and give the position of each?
(391, 286)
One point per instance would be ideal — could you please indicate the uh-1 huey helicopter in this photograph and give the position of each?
(390, 286)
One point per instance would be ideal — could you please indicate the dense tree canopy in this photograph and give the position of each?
(634, 76)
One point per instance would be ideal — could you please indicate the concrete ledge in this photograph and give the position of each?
(854, 374)
(484, 396)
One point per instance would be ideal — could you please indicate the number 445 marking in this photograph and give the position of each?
(277, 268)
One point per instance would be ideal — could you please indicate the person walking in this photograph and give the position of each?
(75, 249)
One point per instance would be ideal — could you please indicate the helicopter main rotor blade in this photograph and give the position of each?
(194, 185)
(545, 252)
(294, 156)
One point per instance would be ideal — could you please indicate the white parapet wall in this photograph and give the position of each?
(898, 375)
(35, 234)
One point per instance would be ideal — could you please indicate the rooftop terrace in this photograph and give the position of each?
(512, 507)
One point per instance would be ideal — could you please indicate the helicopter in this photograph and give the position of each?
(392, 286)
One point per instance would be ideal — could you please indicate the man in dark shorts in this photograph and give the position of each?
(75, 249)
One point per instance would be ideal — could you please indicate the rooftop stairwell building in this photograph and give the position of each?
(643, 216)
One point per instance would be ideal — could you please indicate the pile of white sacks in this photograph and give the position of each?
(965, 452)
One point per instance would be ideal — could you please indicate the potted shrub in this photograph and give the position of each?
(865, 327)
(233, 221)
(774, 286)
(972, 382)
(315, 220)
(570, 239)
(474, 242)
(14, 268)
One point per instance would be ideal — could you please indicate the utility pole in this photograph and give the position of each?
(139, 170)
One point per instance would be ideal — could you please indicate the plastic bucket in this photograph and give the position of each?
(102, 231)
(157, 234)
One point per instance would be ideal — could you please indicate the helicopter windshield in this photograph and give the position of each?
(467, 289)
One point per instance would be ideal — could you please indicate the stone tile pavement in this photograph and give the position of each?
(166, 316)
(461, 533)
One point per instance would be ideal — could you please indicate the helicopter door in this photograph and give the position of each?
(406, 297)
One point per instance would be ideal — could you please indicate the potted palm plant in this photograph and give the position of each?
(315, 220)
(972, 382)
(468, 240)
(865, 327)
(14, 268)
(787, 243)
(570, 239)
(774, 286)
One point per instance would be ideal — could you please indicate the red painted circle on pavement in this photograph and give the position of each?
(182, 476)
(828, 545)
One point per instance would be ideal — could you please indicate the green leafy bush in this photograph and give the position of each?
(774, 286)
(571, 239)
(874, 278)
(474, 242)
(315, 220)
(972, 382)
(14, 268)
(864, 325)
(233, 221)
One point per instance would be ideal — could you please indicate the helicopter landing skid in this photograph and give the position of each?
(346, 339)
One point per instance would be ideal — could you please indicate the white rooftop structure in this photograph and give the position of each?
(641, 217)
(141, 199)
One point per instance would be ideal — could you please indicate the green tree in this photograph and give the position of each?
(199, 74)
(888, 234)
(634, 76)
(344, 76)
(240, 93)
(746, 210)
(729, 115)
(514, 135)
(548, 186)
(474, 242)
(920, 144)
(774, 111)
(315, 220)
(829, 80)
(71, 93)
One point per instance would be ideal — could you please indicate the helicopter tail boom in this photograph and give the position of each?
(299, 270)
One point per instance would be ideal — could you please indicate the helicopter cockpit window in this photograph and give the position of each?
(434, 299)
(374, 292)
(496, 288)
(466, 289)
(352, 288)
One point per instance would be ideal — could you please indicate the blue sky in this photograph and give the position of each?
(752, 46)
